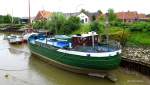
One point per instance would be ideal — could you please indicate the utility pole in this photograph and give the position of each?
(29, 13)
(12, 18)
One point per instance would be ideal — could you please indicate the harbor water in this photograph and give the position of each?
(19, 67)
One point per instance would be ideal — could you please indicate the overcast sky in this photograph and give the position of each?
(20, 7)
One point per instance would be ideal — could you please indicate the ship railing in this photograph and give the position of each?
(111, 44)
(114, 44)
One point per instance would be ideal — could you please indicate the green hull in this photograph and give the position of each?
(74, 62)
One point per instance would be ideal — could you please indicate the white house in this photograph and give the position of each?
(84, 18)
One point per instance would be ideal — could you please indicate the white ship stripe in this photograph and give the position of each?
(102, 54)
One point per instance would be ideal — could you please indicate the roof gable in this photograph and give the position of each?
(43, 15)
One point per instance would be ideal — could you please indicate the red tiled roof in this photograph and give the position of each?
(43, 15)
(142, 16)
(127, 15)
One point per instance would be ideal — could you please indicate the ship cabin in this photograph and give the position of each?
(89, 39)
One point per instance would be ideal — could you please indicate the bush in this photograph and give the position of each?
(84, 28)
(94, 26)
(136, 29)
(71, 24)
(38, 24)
(119, 36)
(139, 26)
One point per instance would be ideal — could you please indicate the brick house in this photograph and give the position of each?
(127, 16)
(131, 16)
(43, 15)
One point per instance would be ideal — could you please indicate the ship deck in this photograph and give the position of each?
(96, 49)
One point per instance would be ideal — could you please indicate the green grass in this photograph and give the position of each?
(115, 29)
(139, 38)
(134, 38)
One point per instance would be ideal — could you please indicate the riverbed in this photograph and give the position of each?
(19, 67)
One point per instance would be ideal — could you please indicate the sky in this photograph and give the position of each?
(19, 8)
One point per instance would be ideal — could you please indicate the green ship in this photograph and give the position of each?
(82, 53)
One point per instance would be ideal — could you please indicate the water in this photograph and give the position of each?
(18, 67)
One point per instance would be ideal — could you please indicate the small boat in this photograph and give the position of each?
(77, 53)
(27, 35)
(14, 39)
(2, 36)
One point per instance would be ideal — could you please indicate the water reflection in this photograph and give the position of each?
(11, 59)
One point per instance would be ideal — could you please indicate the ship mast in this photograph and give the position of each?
(93, 39)
(122, 38)
(106, 29)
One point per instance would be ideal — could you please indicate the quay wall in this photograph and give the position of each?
(137, 59)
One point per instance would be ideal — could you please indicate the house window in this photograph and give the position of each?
(82, 20)
(85, 19)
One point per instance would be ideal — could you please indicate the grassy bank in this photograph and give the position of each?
(133, 38)
(12, 25)
(139, 38)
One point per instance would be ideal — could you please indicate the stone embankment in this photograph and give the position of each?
(136, 58)
(139, 54)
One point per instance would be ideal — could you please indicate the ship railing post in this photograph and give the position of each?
(46, 38)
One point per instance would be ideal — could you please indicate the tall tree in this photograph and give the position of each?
(39, 24)
(1, 19)
(99, 12)
(7, 18)
(72, 24)
(96, 26)
(56, 22)
(111, 15)
(84, 11)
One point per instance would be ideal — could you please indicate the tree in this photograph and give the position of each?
(84, 11)
(7, 18)
(1, 19)
(93, 17)
(94, 26)
(72, 24)
(111, 15)
(56, 22)
(16, 20)
(99, 12)
(39, 24)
